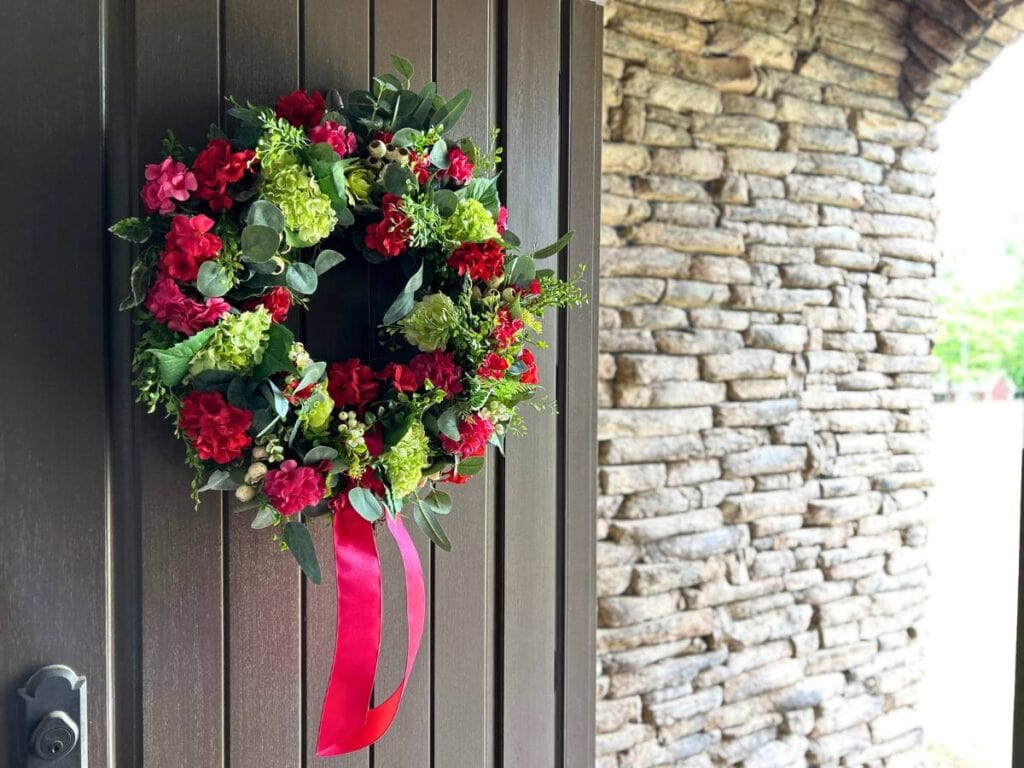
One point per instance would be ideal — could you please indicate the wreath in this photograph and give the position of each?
(235, 235)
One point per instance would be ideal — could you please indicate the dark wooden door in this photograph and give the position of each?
(203, 647)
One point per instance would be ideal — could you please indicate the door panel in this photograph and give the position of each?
(191, 627)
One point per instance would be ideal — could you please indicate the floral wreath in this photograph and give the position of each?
(236, 234)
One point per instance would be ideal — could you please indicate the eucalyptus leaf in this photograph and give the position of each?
(397, 180)
(403, 304)
(365, 503)
(470, 466)
(266, 214)
(300, 544)
(426, 101)
(311, 374)
(276, 399)
(264, 518)
(448, 424)
(445, 200)
(326, 260)
(449, 114)
(428, 523)
(213, 380)
(439, 502)
(173, 362)
(219, 480)
(213, 281)
(439, 155)
(402, 66)
(301, 278)
(259, 243)
(404, 137)
(319, 453)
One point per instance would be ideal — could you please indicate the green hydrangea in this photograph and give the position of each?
(470, 222)
(291, 187)
(430, 324)
(237, 344)
(405, 461)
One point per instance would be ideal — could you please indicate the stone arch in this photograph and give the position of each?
(767, 253)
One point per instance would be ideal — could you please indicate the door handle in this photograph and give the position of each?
(54, 722)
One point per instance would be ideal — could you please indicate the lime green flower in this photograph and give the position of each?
(291, 187)
(405, 461)
(431, 322)
(470, 222)
(358, 184)
(237, 344)
(316, 410)
(279, 143)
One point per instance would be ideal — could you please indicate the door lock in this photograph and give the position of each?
(54, 719)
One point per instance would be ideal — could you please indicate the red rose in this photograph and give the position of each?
(440, 368)
(502, 222)
(507, 332)
(474, 432)
(340, 139)
(529, 376)
(170, 306)
(301, 109)
(216, 167)
(399, 377)
(277, 301)
(493, 366)
(291, 488)
(481, 261)
(459, 169)
(389, 236)
(188, 244)
(351, 384)
(218, 431)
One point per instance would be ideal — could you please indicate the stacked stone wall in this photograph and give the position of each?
(765, 373)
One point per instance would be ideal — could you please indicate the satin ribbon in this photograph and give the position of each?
(347, 722)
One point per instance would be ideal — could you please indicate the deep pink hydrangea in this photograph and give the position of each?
(340, 138)
(291, 488)
(178, 312)
(167, 183)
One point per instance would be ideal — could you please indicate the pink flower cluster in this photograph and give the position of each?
(178, 312)
(167, 183)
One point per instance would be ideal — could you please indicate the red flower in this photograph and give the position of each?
(351, 384)
(218, 431)
(291, 488)
(166, 184)
(277, 302)
(301, 109)
(399, 376)
(374, 439)
(451, 476)
(507, 332)
(474, 432)
(481, 261)
(420, 166)
(389, 236)
(188, 244)
(493, 366)
(529, 376)
(216, 167)
(341, 140)
(459, 169)
(178, 312)
(440, 368)
(502, 222)
(534, 289)
(382, 136)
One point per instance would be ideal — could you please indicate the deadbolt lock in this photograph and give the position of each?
(54, 719)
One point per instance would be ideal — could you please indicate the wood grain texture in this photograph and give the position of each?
(182, 634)
(52, 568)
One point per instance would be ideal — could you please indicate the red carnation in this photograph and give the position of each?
(301, 109)
(502, 222)
(351, 384)
(218, 431)
(340, 138)
(216, 167)
(440, 368)
(529, 376)
(188, 244)
(170, 306)
(277, 301)
(507, 332)
(390, 235)
(474, 432)
(399, 377)
(481, 261)
(291, 488)
(493, 366)
(460, 169)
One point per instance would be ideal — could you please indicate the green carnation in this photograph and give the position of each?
(470, 222)
(237, 344)
(405, 461)
(431, 322)
(291, 187)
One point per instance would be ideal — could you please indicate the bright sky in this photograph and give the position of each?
(981, 174)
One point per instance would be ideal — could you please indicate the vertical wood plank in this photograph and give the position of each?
(463, 581)
(530, 509)
(336, 54)
(181, 559)
(405, 29)
(52, 570)
(579, 391)
(263, 603)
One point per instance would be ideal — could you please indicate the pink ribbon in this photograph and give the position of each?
(348, 723)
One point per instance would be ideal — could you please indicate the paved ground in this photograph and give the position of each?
(968, 688)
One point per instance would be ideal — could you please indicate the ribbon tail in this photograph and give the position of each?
(347, 723)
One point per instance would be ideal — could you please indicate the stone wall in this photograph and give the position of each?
(765, 373)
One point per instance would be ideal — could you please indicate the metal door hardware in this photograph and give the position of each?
(54, 719)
